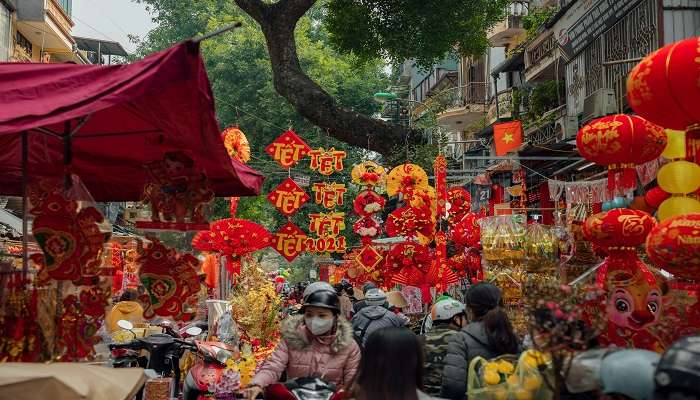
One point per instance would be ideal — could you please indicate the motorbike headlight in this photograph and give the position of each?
(223, 355)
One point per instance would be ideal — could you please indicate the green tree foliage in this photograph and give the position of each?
(407, 29)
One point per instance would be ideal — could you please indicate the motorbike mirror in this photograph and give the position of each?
(193, 331)
(124, 324)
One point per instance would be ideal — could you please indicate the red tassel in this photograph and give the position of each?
(611, 180)
(629, 178)
(692, 145)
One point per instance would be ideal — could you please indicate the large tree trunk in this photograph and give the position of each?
(278, 22)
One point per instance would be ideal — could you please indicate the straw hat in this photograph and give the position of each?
(396, 299)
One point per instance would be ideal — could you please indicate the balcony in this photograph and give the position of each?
(541, 58)
(438, 80)
(500, 106)
(45, 23)
(506, 31)
(461, 106)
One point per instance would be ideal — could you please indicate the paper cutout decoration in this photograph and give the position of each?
(367, 228)
(369, 257)
(326, 244)
(288, 197)
(178, 192)
(170, 279)
(440, 170)
(326, 162)
(76, 328)
(405, 178)
(459, 202)
(234, 238)
(327, 224)
(289, 241)
(70, 240)
(329, 195)
(368, 202)
(411, 222)
(288, 149)
(369, 173)
(236, 144)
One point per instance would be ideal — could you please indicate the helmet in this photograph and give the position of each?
(375, 297)
(679, 368)
(367, 286)
(584, 375)
(630, 373)
(318, 286)
(444, 310)
(323, 299)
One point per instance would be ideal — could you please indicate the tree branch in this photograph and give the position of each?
(278, 22)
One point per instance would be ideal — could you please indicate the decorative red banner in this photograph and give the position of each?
(288, 149)
(328, 161)
(289, 241)
(369, 257)
(440, 169)
(288, 197)
(329, 195)
(327, 224)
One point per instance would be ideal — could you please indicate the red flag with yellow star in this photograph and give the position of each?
(507, 136)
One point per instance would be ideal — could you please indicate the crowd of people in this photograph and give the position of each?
(365, 347)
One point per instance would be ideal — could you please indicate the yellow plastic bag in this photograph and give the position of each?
(508, 378)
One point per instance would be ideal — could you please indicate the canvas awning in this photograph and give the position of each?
(124, 116)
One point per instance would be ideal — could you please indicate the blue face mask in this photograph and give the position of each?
(319, 326)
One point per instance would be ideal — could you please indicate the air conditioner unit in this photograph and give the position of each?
(565, 128)
(600, 103)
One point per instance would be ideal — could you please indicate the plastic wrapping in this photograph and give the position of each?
(541, 249)
(509, 378)
(503, 239)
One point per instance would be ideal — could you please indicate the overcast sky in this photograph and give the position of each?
(111, 20)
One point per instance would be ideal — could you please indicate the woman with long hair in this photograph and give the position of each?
(488, 335)
(391, 367)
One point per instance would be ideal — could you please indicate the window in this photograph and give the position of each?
(24, 43)
(67, 6)
(4, 32)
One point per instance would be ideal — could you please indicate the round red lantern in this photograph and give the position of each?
(621, 142)
(674, 245)
(467, 233)
(618, 229)
(655, 196)
(662, 89)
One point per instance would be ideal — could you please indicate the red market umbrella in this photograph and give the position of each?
(121, 118)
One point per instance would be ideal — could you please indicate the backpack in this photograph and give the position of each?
(361, 331)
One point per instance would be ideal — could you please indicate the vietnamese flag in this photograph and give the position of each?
(507, 136)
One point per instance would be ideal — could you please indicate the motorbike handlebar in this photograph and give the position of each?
(133, 345)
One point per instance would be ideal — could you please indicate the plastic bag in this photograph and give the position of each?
(541, 249)
(508, 377)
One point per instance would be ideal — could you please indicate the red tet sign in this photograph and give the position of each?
(289, 241)
(329, 195)
(327, 161)
(288, 149)
(327, 224)
(288, 197)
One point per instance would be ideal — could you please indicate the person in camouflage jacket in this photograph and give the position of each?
(448, 317)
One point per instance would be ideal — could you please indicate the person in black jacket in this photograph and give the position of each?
(359, 305)
(489, 335)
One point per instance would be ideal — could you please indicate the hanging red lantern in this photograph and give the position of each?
(467, 233)
(662, 89)
(655, 196)
(674, 245)
(620, 142)
(618, 228)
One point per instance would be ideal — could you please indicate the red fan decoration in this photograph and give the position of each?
(368, 202)
(233, 238)
(411, 222)
(467, 233)
(460, 203)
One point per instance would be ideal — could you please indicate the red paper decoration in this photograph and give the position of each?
(368, 173)
(620, 142)
(368, 202)
(288, 149)
(327, 224)
(367, 228)
(674, 245)
(440, 169)
(329, 195)
(411, 222)
(234, 238)
(369, 257)
(655, 196)
(236, 144)
(289, 241)
(460, 203)
(409, 254)
(326, 162)
(288, 197)
(467, 233)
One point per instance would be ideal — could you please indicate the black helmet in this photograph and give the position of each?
(323, 299)
(679, 368)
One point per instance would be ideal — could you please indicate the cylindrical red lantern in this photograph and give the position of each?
(619, 228)
(674, 245)
(663, 89)
(621, 142)
(655, 196)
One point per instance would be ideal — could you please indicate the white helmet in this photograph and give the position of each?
(444, 310)
(375, 297)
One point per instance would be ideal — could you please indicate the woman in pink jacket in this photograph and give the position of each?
(318, 343)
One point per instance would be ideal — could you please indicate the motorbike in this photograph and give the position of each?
(305, 389)
(164, 352)
(208, 369)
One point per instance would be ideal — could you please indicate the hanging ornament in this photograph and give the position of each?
(411, 222)
(620, 142)
(326, 162)
(369, 173)
(405, 178)
(234, 238)
(369, 257)
(674, 245)
(367, 228)
(459, 203)
(288, 197)
(289, 241)
(368, 202)
(409, 255)
(658, 89)
(467, 233)
(655, 196)
(678, 205)
(440, 170)
(288, 149)
(329, 195)
(236, 144)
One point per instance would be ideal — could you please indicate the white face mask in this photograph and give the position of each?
(319, 326)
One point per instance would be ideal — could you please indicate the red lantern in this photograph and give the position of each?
(620, 142)
(467, 233)
(662, 88)
(655, 196)
(620, 228)
(460, 201)
(674, 245)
